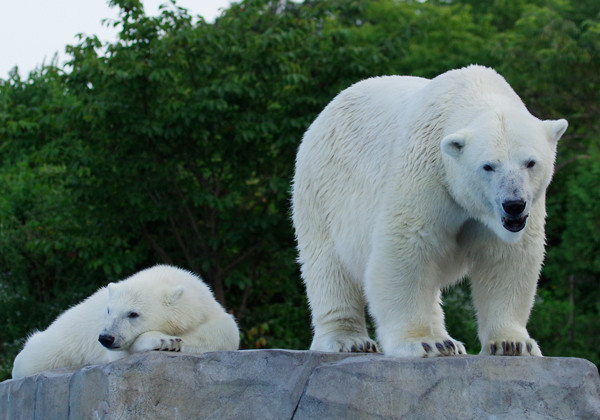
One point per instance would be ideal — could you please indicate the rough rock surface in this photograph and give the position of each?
(282, 384)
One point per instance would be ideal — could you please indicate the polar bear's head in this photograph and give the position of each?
(499, 165)
(134, 308)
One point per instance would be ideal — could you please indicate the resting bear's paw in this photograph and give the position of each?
(511, 347)
(156, 341)
(427, 347)
(344, 343)
(170, 344)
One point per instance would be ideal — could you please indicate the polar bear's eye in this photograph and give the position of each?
(488, 168)
(530, 164)
(132, 315)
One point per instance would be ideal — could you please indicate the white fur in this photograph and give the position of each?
(176, 312)
(391, 203)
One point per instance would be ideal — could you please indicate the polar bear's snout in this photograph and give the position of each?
(107, 340)
(514, 208)
(514, 220)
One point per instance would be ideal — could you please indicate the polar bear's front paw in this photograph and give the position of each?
(156, 342)
(170, 344)
(344, 343)
(427, 347)
(511, 347)
(447, 347)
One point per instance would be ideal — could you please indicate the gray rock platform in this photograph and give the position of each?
(284, 384)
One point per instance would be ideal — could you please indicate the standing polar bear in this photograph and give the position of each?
(404, 186)
(160, 308)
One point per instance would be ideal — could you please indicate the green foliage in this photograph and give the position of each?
(460, 316)
(571, 276)
(176, 144)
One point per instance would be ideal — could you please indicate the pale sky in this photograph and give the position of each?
(32, 31)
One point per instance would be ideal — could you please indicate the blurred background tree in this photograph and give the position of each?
(176, 144)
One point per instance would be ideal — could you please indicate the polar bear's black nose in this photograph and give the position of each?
(514, 208)
(106, 340)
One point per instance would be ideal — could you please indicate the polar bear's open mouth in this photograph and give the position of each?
(514, 224)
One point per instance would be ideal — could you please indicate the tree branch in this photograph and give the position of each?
(182, 246)
(569, 161)
(156, 247)
(241, 257)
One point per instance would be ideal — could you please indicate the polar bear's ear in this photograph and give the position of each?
(111, 289)
(173, 295)
(555, 129)
(454, 144)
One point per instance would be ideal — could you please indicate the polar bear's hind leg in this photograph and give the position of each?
(338, 308)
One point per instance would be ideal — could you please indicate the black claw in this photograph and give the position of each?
(440, 347)
(493, 348)
(529, 347)
(426, 347)
(504, 348)
(353, 349)
(449, 345)
(375, 349)
(519, 349)
(513, 349)
(368, 346)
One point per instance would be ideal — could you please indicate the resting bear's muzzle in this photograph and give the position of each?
(107, 341)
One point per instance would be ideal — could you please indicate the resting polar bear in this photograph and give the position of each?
(160, 308)
(405, 185)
